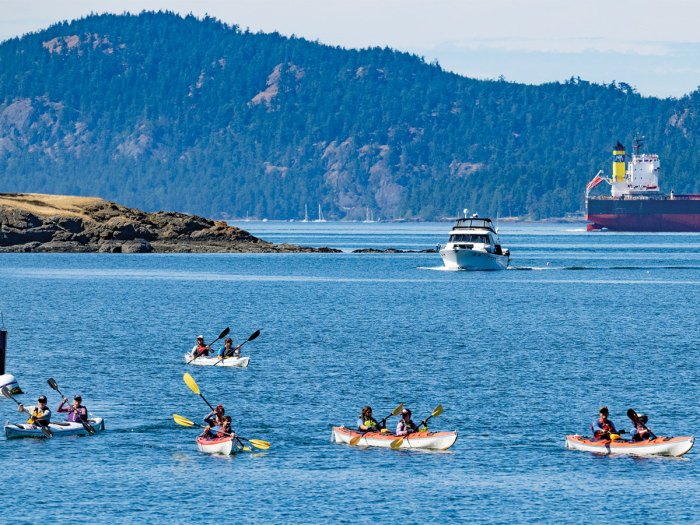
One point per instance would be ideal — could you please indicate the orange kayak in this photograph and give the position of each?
(660, 446)
(418, 440)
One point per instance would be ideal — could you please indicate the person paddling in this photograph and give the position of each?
(200, 349)
(224, 430)
(367, 423)
(228, 350)
(76, 412)
(641, 432)
(216, 417)
(405, 425)
(603, 427)
(40, 415)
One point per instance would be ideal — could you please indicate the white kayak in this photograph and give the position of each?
(61, 428)
(417, 440)
(660, 446)
(239, 362)
(225, 445)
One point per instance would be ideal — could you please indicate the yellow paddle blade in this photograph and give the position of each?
(259, 443)
(396, 444)
(182, 421)
(247, 449)
(397, 410)
(190, 382)
(438, 410)
(354, 441)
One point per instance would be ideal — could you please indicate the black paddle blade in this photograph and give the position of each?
(46, 431)
(224, 333)
(254, 335)
(52, 383)
(5, 392)
(633, 416)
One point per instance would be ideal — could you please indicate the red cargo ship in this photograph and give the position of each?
(635, 203)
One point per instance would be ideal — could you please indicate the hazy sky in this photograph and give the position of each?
(654, 46)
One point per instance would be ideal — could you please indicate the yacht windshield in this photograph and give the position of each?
(470, 237)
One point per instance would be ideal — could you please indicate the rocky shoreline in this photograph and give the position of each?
(31, 222)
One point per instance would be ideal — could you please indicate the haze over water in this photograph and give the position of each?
(518, 359)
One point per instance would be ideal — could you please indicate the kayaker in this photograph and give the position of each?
(215, 418)
(200, 349)
(366, 422)
(603, 427)
(228, 350)
(39, 415)
(641, 432)
(225, 428)
(76, 412)
(405, 425)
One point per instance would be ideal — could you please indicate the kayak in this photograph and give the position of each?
(224, 445)
(417, 440)
(660, 446)
(240, 362)
(62, 428)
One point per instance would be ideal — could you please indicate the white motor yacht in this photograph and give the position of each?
(474, 245)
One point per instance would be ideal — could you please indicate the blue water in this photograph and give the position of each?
(518, 359)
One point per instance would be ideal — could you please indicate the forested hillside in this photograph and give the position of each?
(161, 112)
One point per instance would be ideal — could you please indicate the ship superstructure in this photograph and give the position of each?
(635, 202)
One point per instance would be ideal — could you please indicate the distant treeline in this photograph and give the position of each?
(163, 112)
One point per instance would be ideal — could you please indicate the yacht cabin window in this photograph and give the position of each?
(470, 237)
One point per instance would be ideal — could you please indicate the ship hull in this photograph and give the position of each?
(680, 214)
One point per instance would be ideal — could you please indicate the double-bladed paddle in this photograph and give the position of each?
(87, 426)
(254, 335)
(396, 444)
(354, 441)
(257, 443)
(44, 429)
(190, 382)
(223, 334)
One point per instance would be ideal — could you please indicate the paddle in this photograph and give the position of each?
(44, 430)
(257, 443)
(636, 421)
(223, 334)
(254, 335)
(87, 426)
(354, 441)
(396, 444)
(190, 382)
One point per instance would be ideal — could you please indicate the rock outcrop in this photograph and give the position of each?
(56, 223)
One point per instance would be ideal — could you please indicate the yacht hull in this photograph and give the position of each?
(475, 260)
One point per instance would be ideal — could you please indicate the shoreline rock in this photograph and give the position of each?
(32, 222)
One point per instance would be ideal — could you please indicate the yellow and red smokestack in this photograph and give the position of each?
(618, 172)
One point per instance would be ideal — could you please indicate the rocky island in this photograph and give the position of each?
(32, 222)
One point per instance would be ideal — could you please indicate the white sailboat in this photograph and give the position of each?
(369, 215)
(306, 214)
(320, 215)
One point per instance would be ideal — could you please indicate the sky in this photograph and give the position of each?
(652, 45)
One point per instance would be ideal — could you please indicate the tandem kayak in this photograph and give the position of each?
(240, 362)
(660, 446)
(418, 440)
(224, 445)
(62, 428)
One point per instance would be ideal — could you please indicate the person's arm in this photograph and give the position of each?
(237, 351)
(62, 407)
(400, 428)
(210, 419)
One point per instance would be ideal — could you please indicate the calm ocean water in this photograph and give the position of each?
(518, 359)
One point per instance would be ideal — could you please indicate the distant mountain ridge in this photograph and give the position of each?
(162, 112)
